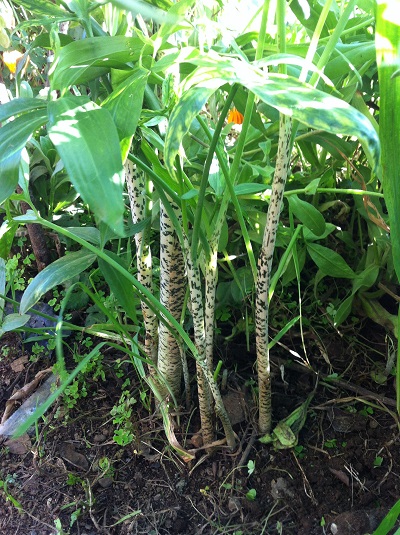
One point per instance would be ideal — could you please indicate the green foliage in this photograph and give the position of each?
(162, 92)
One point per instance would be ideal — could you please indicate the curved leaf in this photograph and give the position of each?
(19, 106)
(87, 141)
(120, 286)
(310, 106)
(126, 101)
(9, 173)
(56, 273)
(15, 134)
(12, 322)
(307, 214)
(85, 60)
(330, 262)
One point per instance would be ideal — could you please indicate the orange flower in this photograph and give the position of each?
(11, 59)
(235, 116)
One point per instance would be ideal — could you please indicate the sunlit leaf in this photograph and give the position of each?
(309, 106)
(87, 141)
(15, 134)
(387, 49)
(126, 101)
(87, 59)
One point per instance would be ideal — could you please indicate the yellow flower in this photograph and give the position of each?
(235, 116)
(11, 59)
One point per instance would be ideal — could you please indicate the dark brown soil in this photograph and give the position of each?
(345, 470)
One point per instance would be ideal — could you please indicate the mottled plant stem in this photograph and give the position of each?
(135, 181)
(172, 293)
(264, 274)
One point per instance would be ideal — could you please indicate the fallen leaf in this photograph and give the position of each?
(20, 445)
(17, 365)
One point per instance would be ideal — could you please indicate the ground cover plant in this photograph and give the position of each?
(190, 181)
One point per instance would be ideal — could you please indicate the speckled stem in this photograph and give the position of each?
(135, 181)
(172, 293)
(264, 274)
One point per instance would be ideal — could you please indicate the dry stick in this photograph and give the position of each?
(336, 382)
(37, 238)
(264, 274)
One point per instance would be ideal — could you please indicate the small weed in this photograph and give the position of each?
(251, 495)
(74, 392)
(299, 451)
(10, 479)
(5, 351)
(122, 413)
(205, 491)
(251, 466)
(331, 444)
(367, 411)
(378, 461)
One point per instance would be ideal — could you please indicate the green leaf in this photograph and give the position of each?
(309, 106)
(44, 7)
(87, 141)
(126, 101)
(249, 189)
(15, 134)
(343, 310)
(307, 214)
(87, 59)
(387, 51)
(310, 236)
(7, 232)
(90, 234)
(9, 173)
(56, 273)
(330, 262)
(12, 322)
(120, 286)
(19, 106)
(389, 521)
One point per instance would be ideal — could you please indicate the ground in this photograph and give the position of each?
(341, 479)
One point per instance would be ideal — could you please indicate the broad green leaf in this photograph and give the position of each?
(343, 311)
(308, 13)
(12, 322)
(387, 40)
(87, 141)
(18, 106)
(330, 262)
(307, 214)
(15, 134)
(90, 234)
(7, 233)
(362, 281)
(120, 286)
(126, 101)
(309, 106)
(249, 188)
(349, 56)
(87, 59)
(44, 7)
(63, 269)
(43, 40)
(310, 236)
(2, 285)
(9, 173)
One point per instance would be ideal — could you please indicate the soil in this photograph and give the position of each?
(341, 479)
